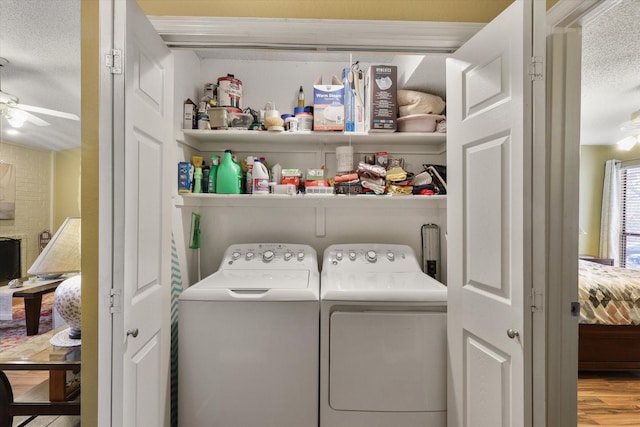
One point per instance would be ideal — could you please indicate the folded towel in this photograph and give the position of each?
(371, 171)
(400, 190)
(346, 178)
(396, 174)
(376, 185)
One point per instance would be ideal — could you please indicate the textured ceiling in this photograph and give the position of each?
(610, 73)
(41, 39)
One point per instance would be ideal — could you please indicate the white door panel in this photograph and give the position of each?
(142, 216)
(488, 161)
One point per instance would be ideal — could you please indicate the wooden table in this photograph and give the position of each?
(33, 302)
(37, 354)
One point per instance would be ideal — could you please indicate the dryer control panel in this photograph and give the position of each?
(269, 255)
(372, 256)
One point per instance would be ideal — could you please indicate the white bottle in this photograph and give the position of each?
(249, 180)
(276, 173)
(260, 178)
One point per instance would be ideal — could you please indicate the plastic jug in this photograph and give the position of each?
(227, 176)
(260, 178)
(215, 162)
(241, 183)
(249, 180)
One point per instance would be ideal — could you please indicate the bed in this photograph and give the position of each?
(609, 317)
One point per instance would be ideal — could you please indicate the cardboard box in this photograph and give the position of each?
(353, 81)
(381, 100)
(328, 105)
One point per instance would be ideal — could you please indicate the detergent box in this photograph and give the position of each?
(353, 80)
(185, 177)
(328, 105)
(381, 98)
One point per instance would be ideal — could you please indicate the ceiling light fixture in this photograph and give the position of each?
(627, 143)
(15, 117)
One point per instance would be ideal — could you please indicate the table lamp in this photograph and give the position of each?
(62, 255)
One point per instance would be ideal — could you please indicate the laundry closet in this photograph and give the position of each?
(484, 219)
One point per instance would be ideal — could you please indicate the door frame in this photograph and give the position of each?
(105, 217)
(564, 55)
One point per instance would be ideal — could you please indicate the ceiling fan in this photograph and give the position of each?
(17, 114)
(630, 127)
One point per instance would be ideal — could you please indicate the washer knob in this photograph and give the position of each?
(300, 256)
(391, 256)
(287, 256)
(352, 255)
(249, 256)
(371, 256)
(339, 256)
(268, 256)
(235, 255)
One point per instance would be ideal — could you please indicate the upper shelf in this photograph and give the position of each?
(435, 141)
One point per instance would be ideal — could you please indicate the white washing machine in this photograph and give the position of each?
(248, 340)
(383, 339)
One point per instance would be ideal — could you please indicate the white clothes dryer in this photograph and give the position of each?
(383, 348)
(248, 340)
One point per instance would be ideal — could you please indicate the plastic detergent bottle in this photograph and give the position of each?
(241, 182)
(227, 176)
(197, 184)
(260, 178)
(206, 170)
(215, 161)
(249, 180)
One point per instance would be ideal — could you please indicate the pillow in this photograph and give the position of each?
(414, 102)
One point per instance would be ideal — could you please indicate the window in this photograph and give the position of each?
(630, 217)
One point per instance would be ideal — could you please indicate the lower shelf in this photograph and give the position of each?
(306, 200)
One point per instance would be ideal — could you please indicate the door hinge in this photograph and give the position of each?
(115, 300)
(536, 68)
(535, 301)
(113, 61)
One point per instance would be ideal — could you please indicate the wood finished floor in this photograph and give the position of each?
(609, 399)
(604, 399)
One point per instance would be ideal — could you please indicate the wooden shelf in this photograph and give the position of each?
(231, 136)
(305, 200)
(215, 140)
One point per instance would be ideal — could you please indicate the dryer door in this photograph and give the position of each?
(392, 361)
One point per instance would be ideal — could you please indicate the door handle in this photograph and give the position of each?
(512, 333)
(133, 332)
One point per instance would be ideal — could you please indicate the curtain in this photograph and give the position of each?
(610, 218)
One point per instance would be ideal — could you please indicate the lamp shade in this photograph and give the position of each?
(62, 253)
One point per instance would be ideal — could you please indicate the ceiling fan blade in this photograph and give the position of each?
(36, 120)
(47, 111)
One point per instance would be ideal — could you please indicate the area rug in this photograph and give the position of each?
(13, 332)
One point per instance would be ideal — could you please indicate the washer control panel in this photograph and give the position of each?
(265, 255)
(371, 257)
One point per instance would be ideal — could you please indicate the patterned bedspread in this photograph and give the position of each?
(608, 295)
